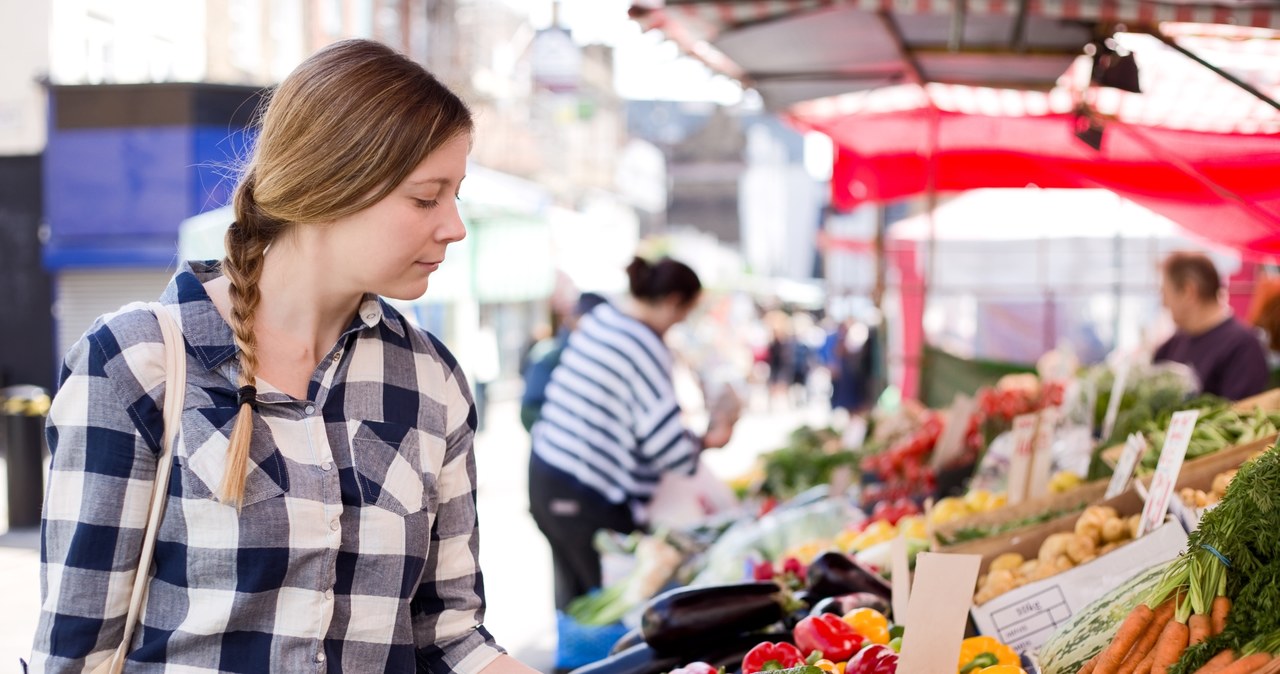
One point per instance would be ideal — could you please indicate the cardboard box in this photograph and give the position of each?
(1073, 501)
(1024, 618)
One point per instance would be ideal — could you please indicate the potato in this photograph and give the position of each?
(1134, 521)
(1009, 561)
(1221, 482)
(1080, 547)
(1114, 530)
(1028, 567)
(1055, 546)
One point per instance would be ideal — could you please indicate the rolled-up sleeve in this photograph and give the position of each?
(100, 430)
(448, 608)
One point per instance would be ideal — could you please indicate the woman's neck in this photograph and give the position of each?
(652, 315)
(302, 302)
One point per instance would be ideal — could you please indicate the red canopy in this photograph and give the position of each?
(1192, 147)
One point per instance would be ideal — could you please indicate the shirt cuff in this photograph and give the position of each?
(467, 655)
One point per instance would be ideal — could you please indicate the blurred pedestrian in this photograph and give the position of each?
(322, 511)
(545, 356)
(1227, 356)
(611, 426)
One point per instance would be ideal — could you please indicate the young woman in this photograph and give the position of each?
(321, 512)
(610, 426)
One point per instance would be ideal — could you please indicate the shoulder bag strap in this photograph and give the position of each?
(175, 388)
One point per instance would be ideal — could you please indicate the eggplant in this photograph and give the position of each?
(685, 620)
(845, 603)
(834, 573)
(639, 659)
(643, 659)
(631, 638)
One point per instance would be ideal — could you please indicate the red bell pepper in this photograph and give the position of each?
(768, 657)
(827, 633)
(875, 659)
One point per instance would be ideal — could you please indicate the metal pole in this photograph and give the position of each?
(1216, 70)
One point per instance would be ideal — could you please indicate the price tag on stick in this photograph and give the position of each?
(901, 581)
(1172, 454)
(1117, 394)
(942, 593)
(1024, 428)
(1134, 448)
(1041, 467)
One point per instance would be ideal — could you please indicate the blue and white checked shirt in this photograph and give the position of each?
(356, 549)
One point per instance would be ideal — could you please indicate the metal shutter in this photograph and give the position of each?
(85, 294)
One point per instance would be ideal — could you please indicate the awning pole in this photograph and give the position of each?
(1172, 44)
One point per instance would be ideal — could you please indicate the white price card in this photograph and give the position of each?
(1024, 428)
(941, 595)
(901, 581)
(1174, 451)
(1117, 394)
(1134, 448)
(1041, 467)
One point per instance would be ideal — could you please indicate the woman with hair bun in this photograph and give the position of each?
(321, 513)
(610, 426)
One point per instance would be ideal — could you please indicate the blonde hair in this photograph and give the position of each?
(346, 127)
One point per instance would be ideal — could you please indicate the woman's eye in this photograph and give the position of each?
(423, 203)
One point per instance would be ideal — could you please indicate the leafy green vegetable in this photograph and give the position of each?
(979, 532)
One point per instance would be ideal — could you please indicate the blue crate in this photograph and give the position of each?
(579, 644)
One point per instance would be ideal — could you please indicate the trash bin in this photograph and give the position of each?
(22, 428)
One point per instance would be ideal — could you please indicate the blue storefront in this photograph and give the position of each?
(124, 165)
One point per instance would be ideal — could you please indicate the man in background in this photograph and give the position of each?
(1226, 355)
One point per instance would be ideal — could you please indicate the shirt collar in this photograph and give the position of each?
(209, 337)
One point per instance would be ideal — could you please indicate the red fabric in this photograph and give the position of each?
(911, 286)
(1220, 186)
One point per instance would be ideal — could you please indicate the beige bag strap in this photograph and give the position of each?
(175, 389)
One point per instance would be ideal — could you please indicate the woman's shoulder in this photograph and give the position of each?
(120, 332)
(421, 340)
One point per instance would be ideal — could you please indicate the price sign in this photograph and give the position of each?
(901, 581)
(1024, 428)
(1134, 448)
(1117, 393)
(1172, 454)
(941, 595)
(1042, 454)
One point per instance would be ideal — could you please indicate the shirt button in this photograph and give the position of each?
(320, 657)
(328, 594)
(337, 356)
(327, 465)
(311, 409)
(334, 525)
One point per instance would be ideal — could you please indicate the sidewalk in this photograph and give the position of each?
(514, 555)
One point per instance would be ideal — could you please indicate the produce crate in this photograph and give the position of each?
(578, 644)
(1027, 616)
(1074, 500)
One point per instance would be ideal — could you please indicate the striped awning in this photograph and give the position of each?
(707, 19)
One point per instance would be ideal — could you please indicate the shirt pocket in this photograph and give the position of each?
(389, 467)
(203, 457)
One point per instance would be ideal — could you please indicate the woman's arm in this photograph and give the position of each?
(103, 433)
(505, 664)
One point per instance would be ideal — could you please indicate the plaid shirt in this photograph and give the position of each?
(356, 547)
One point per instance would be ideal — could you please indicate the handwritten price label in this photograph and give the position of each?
(1134, 448)
(1172, 454)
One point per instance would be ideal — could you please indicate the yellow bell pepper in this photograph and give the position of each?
(827, 666)
(949, 509)
(913, 527)
(877, 532)
(1002, 669)
(869, 623)
(977, 653)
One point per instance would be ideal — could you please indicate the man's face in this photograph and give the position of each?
(1179, 301)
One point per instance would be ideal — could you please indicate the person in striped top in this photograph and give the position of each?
(611, 427)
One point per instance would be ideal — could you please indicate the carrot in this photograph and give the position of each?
(1218, 662)
(1200, 627)
(1218, 613)
(1130, 631)
(1090, 665)
(1173, 641)
(1247, 664)
(1138, 654)
(1144, 667)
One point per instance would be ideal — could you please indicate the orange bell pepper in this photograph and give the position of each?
(870, 623)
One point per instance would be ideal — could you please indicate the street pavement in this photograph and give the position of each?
(514, 555)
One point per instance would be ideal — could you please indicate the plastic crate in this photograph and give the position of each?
(579, 644)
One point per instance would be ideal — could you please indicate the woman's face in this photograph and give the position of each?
(392, 247)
